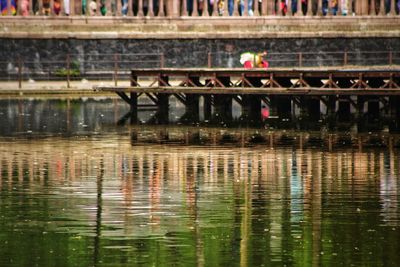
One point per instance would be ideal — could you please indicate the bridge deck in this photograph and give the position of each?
(301, 81)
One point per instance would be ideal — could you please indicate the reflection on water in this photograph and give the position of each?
(88, 116)
(102, 200)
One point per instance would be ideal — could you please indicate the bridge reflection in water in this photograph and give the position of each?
(213, 137)
(281, 203)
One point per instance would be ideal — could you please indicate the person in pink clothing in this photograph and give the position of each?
(252, 60)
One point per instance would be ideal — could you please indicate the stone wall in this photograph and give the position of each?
(38, 55)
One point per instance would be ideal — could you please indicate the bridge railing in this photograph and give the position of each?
(117, 67)
(200, 8)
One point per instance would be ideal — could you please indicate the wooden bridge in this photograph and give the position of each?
(315, 92)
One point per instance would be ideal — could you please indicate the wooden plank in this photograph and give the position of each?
(253, 91)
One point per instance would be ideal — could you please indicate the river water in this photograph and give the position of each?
(78, 190)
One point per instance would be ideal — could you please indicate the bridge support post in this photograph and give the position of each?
(394, 107)
(313, 108)
(310, 108)
(373, 109)
(223, 107)
(343, 113)
(284, 107)
(281, 106)
(331, 110)
(207, 107)
(192, 107)
(133, 107)
(394, 112)
(163, 108)
(251, 108)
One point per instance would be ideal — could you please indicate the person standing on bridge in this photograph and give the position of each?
(252, 60)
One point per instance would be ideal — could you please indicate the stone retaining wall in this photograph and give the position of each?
(94, 55)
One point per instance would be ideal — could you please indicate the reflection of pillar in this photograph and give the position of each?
(245, 224)
(20, 115)
(96, 253)
(276, 210)
(316, 212)
(68, 114)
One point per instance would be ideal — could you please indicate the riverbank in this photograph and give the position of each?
(55, 88)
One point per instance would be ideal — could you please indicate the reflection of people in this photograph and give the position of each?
(252, 60)
(264, 112)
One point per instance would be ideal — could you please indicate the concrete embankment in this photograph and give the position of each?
(55, 89)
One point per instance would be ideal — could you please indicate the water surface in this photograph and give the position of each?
(98, 197)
